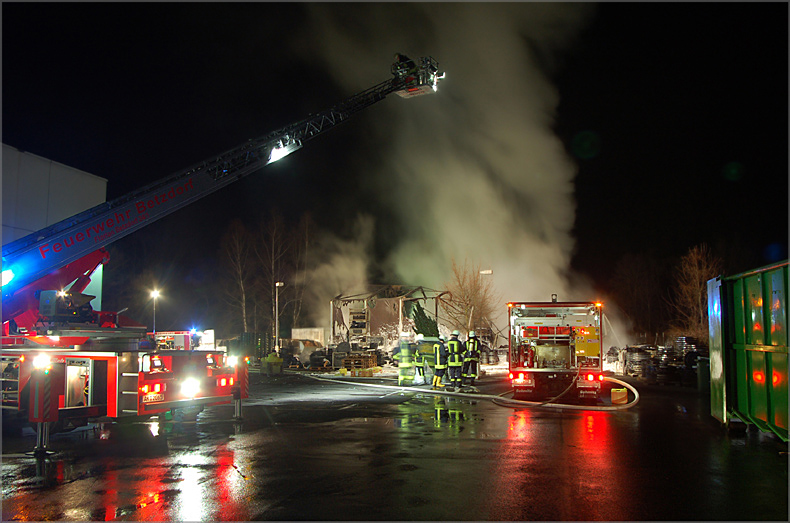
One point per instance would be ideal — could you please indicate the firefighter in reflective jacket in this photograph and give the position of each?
(440, 357)
(405, 364)
(471, 359)
(455, 349)
(419, 362)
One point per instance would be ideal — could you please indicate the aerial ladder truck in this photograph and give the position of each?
(63, 363)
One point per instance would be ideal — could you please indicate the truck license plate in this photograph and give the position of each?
(150, 398)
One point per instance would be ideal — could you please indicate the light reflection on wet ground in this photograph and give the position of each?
(314, 451)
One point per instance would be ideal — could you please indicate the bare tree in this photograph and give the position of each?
(300, 257)
(637, 284)
(271, 252)
(690, 300)
(235, 248)
(472, 301)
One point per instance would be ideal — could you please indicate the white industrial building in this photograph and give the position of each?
(38, 192)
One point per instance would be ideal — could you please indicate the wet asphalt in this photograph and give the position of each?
(318, 450)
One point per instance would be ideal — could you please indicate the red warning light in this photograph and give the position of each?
(590, 377)
(775, 378)
(600, 377)
(759, 377)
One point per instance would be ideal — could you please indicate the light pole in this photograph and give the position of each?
(154, 295)
(277, 313)
(484, 272)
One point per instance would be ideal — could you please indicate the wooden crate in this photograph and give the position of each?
(359, 361)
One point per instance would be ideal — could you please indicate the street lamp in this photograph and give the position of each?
(484, 272)
(277, 313)
(155, 295)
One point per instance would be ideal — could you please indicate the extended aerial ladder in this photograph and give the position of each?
(98, 363)
(73, 246)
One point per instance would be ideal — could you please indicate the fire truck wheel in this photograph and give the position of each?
(186, 414)
(13, 426)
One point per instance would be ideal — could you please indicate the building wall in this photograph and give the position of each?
(38, 192)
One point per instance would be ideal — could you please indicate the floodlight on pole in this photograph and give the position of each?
(154, 295)
(277, 313)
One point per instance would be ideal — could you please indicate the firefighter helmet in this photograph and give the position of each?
(471, 334)
(456, 333)
(420, 337)
(441, 337)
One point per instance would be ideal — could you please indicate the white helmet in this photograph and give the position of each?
(441, 337)
(404, 334)
(471, 334)
(420, 337)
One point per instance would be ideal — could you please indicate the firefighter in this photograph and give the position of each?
(471, 359)
(405, 364)
(455, 349)
(419, 361)
(440, 357)
(440, 413)
(406, 63)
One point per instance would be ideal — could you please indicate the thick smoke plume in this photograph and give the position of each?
(474, 172)
(343, 269)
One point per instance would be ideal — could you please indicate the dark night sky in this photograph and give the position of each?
(683, 107)
(677, 101)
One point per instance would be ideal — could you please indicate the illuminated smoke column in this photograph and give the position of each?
(475, 172)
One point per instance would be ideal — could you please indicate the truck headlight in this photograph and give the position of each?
(190, 387)
(41, 361)
(232, 361)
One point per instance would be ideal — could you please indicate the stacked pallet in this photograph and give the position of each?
(359, 360)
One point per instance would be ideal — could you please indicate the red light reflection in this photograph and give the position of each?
(519, 425)
(539, 445)
(230, 482)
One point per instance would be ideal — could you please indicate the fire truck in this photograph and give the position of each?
(555, 349)
(64, 363)
(184, 340)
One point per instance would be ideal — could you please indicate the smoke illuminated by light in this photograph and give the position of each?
(476, 171)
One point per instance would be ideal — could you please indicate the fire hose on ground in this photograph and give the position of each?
(498, 399)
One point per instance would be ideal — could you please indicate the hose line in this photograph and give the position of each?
(498, 399)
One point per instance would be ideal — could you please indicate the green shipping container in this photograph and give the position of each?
(747, 316)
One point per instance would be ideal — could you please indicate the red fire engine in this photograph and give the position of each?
(555, 348)
(63, 363)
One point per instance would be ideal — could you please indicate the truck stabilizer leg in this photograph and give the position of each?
(42, 439)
